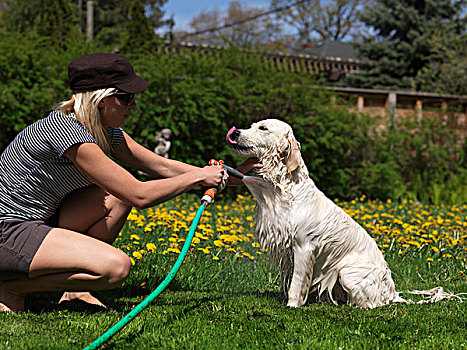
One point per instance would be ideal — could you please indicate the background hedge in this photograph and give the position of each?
(199, 97)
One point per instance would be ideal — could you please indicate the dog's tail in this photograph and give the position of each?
(434, 295)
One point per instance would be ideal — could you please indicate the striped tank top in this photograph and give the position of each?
(34, 175)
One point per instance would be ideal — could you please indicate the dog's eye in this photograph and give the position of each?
(262, 127)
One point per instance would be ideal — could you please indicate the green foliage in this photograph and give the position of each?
(401, 49)
(25, 90)
(199, 96)
(426, 154)
(33, 78)
(56, 21)
(53, 20)
(448, 64)
(138, 35)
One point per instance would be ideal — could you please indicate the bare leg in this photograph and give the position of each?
(70, 261)
(94, 212)
(76, 258)
(103, 222)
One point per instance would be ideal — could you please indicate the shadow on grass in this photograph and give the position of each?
(122, 299)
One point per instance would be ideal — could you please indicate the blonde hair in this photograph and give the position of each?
(85, 106)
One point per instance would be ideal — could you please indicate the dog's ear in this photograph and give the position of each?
(292, 155)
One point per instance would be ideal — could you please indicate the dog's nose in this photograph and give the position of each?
(232, 135)
(235, 134)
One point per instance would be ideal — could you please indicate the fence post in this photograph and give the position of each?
(418, 109)
(360, 104)
(391, 107)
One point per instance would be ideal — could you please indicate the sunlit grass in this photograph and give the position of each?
(227, 294)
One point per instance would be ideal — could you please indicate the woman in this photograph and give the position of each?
(63, 200)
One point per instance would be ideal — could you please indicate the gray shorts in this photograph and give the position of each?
(19, 242)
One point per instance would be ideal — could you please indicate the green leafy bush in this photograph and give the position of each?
(200, 96)
(33, 78)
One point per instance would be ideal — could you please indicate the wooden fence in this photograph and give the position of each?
(399, 104)
(333, 68)
(392, 104)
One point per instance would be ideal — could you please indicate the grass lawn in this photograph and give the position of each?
(226, 295)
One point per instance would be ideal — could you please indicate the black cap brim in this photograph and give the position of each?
(133, 86)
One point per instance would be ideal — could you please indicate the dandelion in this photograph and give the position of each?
(230, 226)
(137, 255)
(151, 247)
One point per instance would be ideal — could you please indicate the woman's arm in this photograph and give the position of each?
(111, 177)
(138, 157)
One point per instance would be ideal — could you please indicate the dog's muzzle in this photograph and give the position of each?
(232, 136)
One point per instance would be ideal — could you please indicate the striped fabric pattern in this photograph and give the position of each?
(34, 177)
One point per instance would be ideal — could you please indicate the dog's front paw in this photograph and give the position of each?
(293, 304)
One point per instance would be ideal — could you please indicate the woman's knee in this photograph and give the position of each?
(118, 269)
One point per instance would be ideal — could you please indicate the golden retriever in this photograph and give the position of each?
(314, 242)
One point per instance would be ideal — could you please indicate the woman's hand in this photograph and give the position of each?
(213, 175)
(247, 165)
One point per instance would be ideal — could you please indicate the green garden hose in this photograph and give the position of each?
(141, 306)
(205, 201)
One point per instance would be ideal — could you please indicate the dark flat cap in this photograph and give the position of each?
(104, 70)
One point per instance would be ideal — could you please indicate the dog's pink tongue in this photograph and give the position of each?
(228, 139)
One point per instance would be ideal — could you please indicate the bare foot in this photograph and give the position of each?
(10, 301)
(85, 297)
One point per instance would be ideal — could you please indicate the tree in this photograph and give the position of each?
(55, 20)
(319, 20)
(400, 47)
(237, 26)
(139, 33)
(447, 64)
(111, 16)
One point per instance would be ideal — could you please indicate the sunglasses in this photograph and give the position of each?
(125, 97)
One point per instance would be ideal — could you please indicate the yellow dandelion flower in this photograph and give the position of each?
(429, 259)
(151, 247)
(137, 255)
(133, 236)
(215, 258)
(415, 243)
(218, 243)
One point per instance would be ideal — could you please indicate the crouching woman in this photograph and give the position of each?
(63, 200)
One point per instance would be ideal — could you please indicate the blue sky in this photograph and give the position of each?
(184, 10)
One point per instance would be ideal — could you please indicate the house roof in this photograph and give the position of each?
(328, 48)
